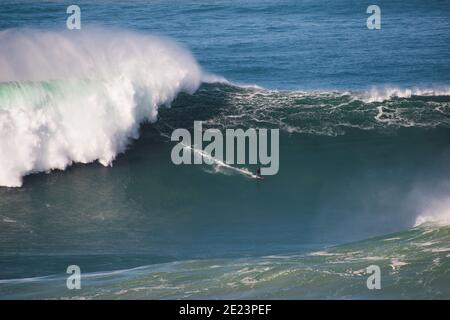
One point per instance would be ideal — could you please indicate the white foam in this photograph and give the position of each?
(438, 212)
(373, 94)
(379, 94)
(396, 264)
(8, 220)
(80, 96)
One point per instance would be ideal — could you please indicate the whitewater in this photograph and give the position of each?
(84, 99)
(80, 97)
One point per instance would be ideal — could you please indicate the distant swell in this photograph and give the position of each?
(80, 96)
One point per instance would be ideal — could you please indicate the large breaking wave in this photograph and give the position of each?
(80, 96)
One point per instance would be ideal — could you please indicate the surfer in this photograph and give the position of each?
(258, 173)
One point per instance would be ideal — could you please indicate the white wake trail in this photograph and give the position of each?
(215, 162)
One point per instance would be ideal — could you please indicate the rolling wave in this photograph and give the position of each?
(83, 99)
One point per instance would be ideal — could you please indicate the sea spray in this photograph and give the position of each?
(80, 97)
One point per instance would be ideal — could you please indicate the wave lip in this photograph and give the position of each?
(80, 96)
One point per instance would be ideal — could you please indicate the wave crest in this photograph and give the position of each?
(80, 96)
(380, 94)
(438, 213)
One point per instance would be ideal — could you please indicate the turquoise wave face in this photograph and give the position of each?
(413, 264)
(190, 228)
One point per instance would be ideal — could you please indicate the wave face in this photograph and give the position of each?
(81, 98)
(85, 98)
(414, 265)
(355, 168)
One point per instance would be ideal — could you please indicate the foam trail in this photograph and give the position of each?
(222, 164)
(216, 162)
(70, 97)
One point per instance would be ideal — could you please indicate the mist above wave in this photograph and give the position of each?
(80, 96)
(437, 212)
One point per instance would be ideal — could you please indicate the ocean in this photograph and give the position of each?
(86, 176)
